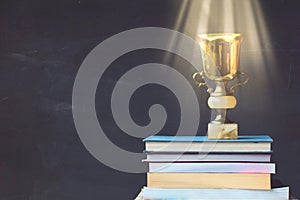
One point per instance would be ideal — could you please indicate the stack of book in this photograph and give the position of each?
(193, 167)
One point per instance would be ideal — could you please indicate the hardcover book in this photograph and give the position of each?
(281, 193)
(209, 180)
(267, 168)
(156, 156)
(258, 143)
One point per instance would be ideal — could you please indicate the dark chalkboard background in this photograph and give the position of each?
(43, 44)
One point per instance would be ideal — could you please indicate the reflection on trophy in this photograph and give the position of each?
(220, 57)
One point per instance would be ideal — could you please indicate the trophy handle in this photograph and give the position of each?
(241, 83)
(199, 84)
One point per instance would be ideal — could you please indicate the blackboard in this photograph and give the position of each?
(43, 44)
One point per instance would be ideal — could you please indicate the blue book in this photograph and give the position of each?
(250, 143)
(193, 194)
(241, 138)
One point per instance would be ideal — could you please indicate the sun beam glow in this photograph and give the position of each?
(233, 16)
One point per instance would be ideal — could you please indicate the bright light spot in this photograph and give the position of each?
(234, 16)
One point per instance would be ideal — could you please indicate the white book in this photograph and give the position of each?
(207, 157)
(210, 194)
(267, 168)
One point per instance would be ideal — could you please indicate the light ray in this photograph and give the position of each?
(239, 16)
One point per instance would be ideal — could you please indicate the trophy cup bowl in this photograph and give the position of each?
(220, 56)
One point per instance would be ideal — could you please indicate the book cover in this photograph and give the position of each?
(209, 146)
(241, 138)
(268, 168)
(281, 193)
(208, 156)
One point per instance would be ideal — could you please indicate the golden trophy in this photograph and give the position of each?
(220, 57)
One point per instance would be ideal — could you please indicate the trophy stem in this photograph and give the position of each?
(220, 100)
(220, 89)
(219, 116)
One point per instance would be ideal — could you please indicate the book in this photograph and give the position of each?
(140, 195)
(281, 193)
(267, 168)
(258, 143)
(209, 180)
(153, 156)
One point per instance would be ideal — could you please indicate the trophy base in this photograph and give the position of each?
(222, 131)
